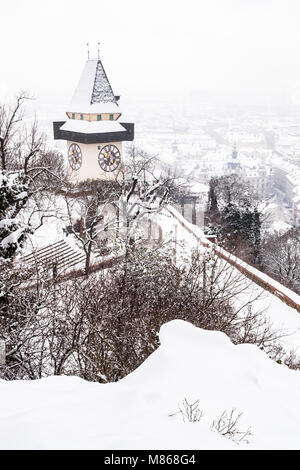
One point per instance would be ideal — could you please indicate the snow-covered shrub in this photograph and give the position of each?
(190, 412)
(281, 258)
(13, 192)
(227, 425)
(103, 327)
(28, 170)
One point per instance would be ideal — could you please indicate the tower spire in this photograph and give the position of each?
(234, 152)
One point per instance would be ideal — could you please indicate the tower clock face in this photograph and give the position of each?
(75, 156)
(109, 158)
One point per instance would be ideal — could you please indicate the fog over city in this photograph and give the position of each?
(229, 51)
(198, 78)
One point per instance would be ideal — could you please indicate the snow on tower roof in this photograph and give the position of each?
(93, 127)
(94, 93)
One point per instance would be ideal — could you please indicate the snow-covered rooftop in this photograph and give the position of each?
(92, 127)
(94, 93)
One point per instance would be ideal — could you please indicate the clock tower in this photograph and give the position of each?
(93, 132)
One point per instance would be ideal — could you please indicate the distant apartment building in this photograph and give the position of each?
(251, 169)
(286, 185)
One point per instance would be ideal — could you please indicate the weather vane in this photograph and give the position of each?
(88, 50)
(98, 50)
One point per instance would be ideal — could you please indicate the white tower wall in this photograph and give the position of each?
(90, 168)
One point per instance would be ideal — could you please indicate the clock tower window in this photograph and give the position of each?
(111, 117)
(99, 117)
(81, 116)
(73, 115)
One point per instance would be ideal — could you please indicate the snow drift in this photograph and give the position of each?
(141, 410)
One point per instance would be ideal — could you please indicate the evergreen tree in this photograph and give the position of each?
(232, 213)
(212, 205)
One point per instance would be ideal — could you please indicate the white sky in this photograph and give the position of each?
(239, 49)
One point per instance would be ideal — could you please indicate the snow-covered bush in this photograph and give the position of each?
(281, 257)
(102, 327)
(190, 412)
(13, 191)
(27, 171)
(228, 425)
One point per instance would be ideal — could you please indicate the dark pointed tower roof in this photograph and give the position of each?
(94, 93)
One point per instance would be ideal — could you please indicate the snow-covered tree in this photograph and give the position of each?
(13, 191)
(27, 170)
(233, 214)
(281, 257)
(111, 212)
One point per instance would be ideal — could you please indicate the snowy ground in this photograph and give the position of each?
(134, 413)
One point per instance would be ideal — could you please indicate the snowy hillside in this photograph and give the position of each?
(134, 413)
